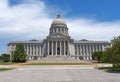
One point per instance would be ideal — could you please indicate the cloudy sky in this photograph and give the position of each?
(31, 19)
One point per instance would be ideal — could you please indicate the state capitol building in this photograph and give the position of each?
(59, 43)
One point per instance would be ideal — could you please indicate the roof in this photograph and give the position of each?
(31, 41)
(91, 41)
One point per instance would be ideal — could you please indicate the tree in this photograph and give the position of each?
(112, 54)
(107, 55)
(97, 55)
(5, 57)
(19, 54)
(0, 57)
(115, 59)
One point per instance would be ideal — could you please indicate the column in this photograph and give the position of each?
(64, 30)
(40, 49)
(96, 47)
(56, 29)
(59, 29)
(99, 48)
(30, 50)
(87, 53)
(34, 49)
(90, 48)
(48, 47)
(84, 50)
(80, 50)
(43, 48)
(56, 48)
(52, 48)
(67, 48)
(27, 50)
(64, 47)
(81, 47)
(77, 50)
(103, 47)
(60, 48)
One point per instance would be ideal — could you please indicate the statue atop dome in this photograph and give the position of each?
(58, 15)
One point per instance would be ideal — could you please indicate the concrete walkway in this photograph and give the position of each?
(58, 74)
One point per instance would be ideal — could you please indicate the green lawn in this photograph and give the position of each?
(5, 69)
(46, 63)
(9, 63)
(58, 64)
(5, 63)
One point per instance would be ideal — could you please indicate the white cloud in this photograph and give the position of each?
(83, 28)
(31, 19)
(27, 19)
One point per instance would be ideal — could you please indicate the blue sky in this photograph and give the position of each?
(102, 10)
(31, 19)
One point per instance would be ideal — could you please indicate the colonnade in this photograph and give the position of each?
(58, 29)
(88, 49)
(57, 47)
(34, 49)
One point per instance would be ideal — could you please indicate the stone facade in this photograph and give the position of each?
(59, 43)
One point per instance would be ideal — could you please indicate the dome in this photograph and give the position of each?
(58, 27)
(58, 21)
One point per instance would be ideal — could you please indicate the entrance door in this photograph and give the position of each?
(58, 50)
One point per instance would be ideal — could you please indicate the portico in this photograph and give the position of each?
(57, 42)
(57, 48)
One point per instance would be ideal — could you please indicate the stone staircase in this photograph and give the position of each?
(58, 59)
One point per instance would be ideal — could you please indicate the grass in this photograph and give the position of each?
(5, 63)
(43, 63)
(9, 63)
(57, 64)
(5, 69)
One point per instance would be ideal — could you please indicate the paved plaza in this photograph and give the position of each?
(58, 74)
